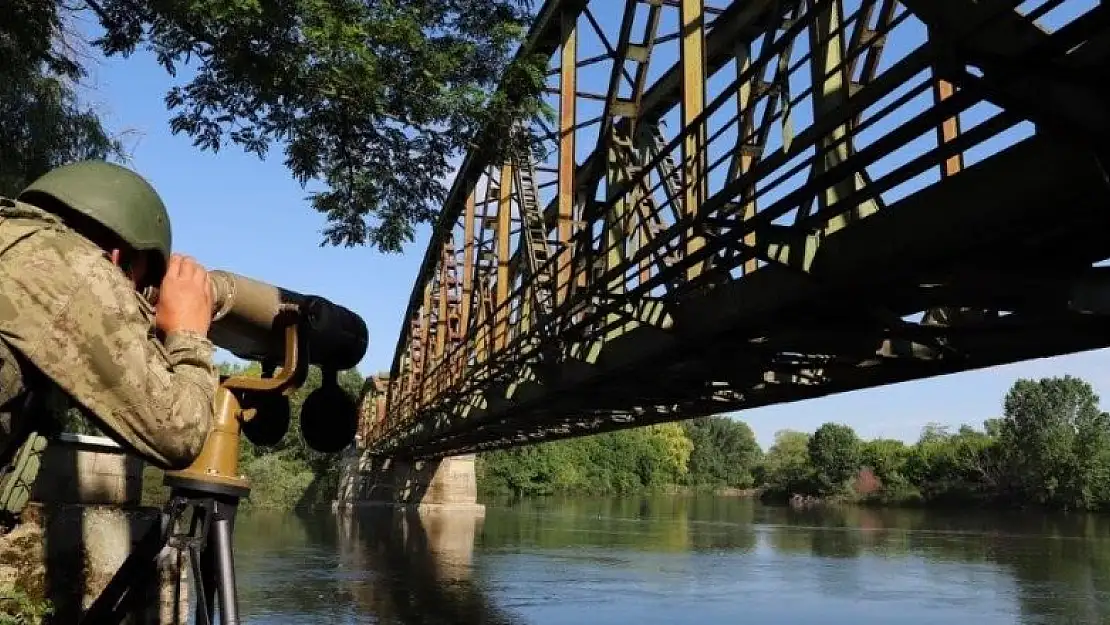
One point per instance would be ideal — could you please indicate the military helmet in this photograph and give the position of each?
(115, 197)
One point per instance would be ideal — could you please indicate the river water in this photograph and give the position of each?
(702, 560)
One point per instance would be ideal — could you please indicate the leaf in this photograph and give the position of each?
(370, 100)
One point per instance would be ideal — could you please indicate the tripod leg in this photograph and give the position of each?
(204, 573)
(222, 528)
(204, 601)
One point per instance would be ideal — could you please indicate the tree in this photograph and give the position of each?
(371, 99)
(42, 123)
(993, 427)
(613, 462)
(834, 453)
(886, 458)
(670, 452)
(957, 467)
(786, 467)
(725, 452)
(933, 431)
(1055, 442)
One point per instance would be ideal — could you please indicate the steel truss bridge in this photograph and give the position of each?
(761, 201)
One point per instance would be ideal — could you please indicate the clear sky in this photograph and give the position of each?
(232, 211)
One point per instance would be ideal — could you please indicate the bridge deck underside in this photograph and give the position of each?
(989, 265)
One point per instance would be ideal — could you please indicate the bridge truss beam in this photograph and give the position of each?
(856, 193)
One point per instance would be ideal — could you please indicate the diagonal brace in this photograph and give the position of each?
(1024, 68)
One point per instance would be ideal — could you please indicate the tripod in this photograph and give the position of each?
(208, 542)
(211, 487)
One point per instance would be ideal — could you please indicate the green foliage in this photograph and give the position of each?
(887, 458)
(289, 474)
(42, 123)
(786, 467)
(724, 453)
(278, 480)
(371, 99)
(1051, 448)
(672, 448)
(1056, 443)
(643, 459)
(834, 453)
(954, 467)
(154, 491)
(17, 608)
(350, 381)
(77, 421)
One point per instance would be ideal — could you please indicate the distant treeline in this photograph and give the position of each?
(1050, 448)
(705, 453)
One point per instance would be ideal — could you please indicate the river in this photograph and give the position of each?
(702, 560)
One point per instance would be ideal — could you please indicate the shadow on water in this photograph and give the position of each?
(374, 565)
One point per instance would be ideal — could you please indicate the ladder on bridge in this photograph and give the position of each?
(534, 230)
(444, 331)
(668, 170)
(637, 155)
(671, 178)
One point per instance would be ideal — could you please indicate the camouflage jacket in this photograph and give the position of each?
(70, 314)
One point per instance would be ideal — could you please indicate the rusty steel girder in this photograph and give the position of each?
(746, 203)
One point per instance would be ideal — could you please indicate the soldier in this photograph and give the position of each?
(76, 248)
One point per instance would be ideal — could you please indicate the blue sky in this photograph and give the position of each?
(232, 211)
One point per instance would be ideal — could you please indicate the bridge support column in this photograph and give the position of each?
(438, 485)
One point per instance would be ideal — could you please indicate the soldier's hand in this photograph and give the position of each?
(185, 298)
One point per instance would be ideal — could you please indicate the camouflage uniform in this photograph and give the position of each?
(72, 315)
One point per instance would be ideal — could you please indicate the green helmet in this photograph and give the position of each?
(113, 196)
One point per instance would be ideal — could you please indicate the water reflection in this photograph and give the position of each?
(375, 565)
(1058, 565)
(674, 559)
(656, 524)
(420, 564)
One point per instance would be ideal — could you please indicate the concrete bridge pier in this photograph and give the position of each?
(433, 486)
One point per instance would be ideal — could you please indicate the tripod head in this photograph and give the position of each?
(285, 331)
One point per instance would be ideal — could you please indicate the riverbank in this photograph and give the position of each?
(285, 485)
(906, 499)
